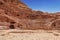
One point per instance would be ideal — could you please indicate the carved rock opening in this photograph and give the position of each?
(11, 27)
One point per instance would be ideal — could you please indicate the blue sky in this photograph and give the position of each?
(43, 5)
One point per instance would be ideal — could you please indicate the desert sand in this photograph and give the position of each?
(29, 34)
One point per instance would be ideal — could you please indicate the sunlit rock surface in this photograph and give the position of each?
(14, 14)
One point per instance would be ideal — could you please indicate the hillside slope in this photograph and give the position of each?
(14, 14)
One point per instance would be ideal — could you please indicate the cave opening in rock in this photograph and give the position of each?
(11, 27)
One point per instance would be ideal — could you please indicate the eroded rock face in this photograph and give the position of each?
(16, 13)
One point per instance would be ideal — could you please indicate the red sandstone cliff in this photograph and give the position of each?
(15, 14)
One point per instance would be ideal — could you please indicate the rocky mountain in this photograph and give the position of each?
(14, 14)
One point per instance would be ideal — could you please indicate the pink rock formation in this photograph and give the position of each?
(16, 15)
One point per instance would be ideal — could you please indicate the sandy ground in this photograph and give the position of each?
(29, 35)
